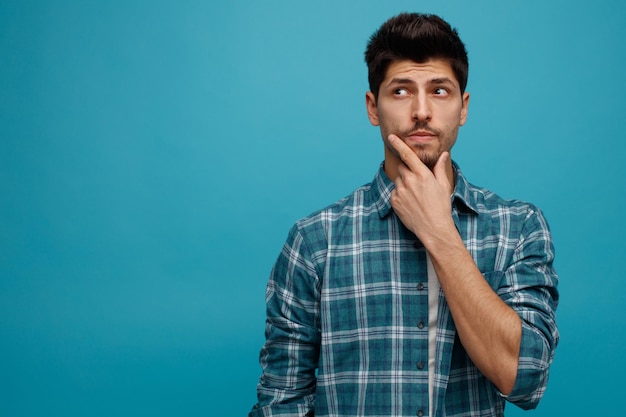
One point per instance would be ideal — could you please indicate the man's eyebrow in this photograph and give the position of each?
(442, 80)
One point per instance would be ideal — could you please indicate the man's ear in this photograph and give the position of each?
(372, 109)
(465, 106)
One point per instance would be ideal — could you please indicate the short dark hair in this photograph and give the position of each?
(416, 37)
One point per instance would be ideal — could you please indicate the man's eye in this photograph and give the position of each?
(400, 92)
(440, 92)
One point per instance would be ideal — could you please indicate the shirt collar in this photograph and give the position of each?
(382, 186)
(463, 190)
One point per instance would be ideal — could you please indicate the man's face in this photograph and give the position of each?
(423, 105)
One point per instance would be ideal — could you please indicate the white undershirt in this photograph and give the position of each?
(433, 305)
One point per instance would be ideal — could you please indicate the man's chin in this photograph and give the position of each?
(428, 158)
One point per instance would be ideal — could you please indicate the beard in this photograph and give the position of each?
(428, 157)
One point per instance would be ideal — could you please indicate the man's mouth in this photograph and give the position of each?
(421, 136)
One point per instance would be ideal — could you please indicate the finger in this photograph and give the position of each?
(399, 183)
(440, 169)
(403, 170)
(406, 154)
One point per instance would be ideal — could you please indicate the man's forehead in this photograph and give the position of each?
(406, 71)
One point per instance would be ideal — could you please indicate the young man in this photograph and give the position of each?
(420, 293)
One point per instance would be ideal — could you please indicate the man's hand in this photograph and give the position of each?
(421, 198)
(489, 330)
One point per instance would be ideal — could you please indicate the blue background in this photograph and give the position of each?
(154, 154)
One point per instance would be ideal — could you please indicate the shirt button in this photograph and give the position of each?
(420, 325)
(420, 365)
(420, 286)
(420, 413)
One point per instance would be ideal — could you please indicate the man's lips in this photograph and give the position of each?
(421, 136)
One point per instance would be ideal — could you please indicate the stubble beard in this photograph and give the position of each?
(428, 158)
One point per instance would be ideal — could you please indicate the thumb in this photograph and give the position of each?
(441, 169)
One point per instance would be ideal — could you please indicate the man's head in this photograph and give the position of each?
(414, 37)
(418, 74)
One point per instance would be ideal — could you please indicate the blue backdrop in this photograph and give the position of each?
(154, 154)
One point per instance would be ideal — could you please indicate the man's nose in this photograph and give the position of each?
(421, 108)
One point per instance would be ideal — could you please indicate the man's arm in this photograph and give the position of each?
(290, 354)
(528, 284)
(490, 330)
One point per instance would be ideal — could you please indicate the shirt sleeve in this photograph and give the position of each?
(530, 288)
(290, 354)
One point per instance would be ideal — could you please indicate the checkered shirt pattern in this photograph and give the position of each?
(347, 310)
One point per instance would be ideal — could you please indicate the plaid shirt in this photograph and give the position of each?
(347, 310)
